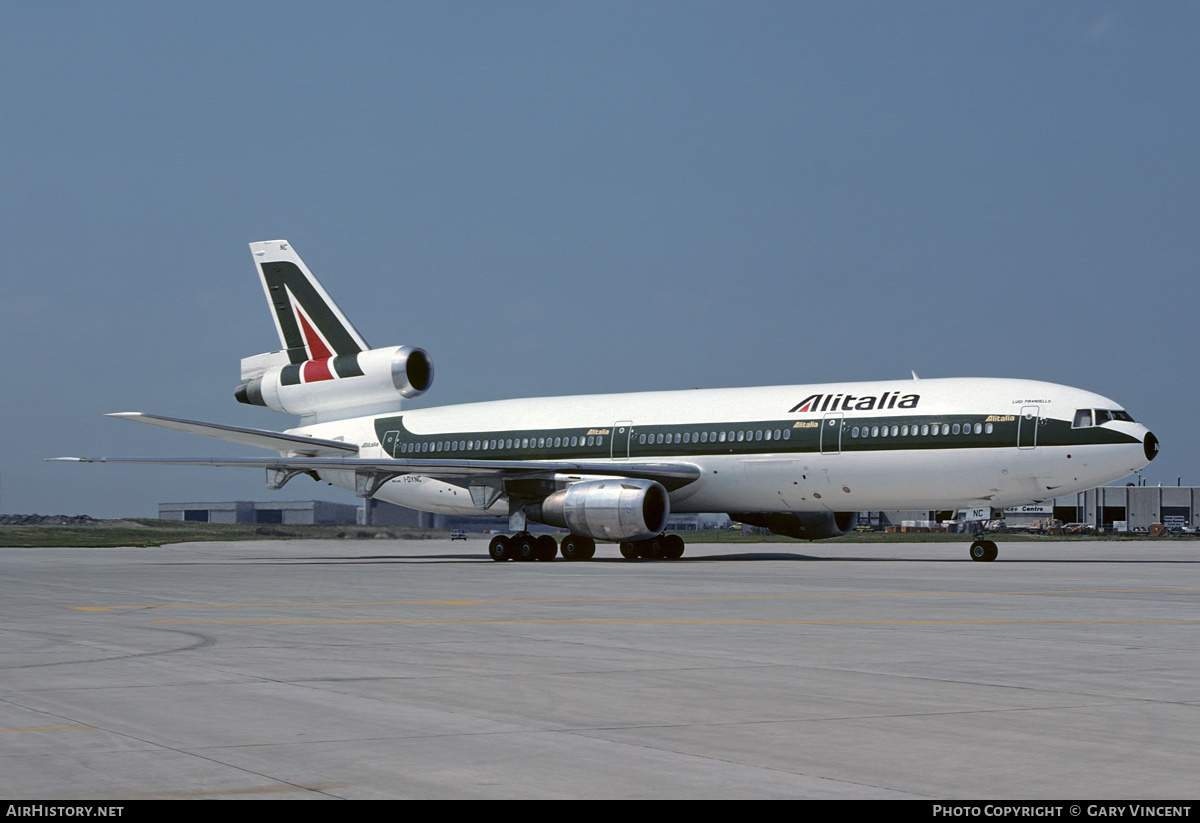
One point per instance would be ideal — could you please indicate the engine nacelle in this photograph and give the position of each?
(370, 380)
(802, 525)
(618, 510)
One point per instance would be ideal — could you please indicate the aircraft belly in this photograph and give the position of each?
(904, 480)
(739, 484)
(421, 493)
(918, 479)
(430, 495)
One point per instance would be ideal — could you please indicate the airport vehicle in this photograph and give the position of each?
(799, 460)
(458, 534)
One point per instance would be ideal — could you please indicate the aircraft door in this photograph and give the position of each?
(831, 433)
(1027, 427)
(390, 440)
(622, 432)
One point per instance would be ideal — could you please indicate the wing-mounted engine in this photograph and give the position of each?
(802, 525)
(363, 382)
(620, 509)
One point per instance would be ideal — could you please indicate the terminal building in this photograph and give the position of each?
(1107, 508)
(1138, 507)
(283, 513)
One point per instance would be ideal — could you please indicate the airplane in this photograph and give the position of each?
(800, 460)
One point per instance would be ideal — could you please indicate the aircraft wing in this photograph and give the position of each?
(308, 455)
(262, 438)
(670, 475)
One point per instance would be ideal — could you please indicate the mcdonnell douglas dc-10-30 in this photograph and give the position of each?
(798, 460)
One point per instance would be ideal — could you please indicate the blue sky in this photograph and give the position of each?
(560, 198)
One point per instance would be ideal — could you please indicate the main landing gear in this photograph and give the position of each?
(525, 546)
(663, 547)
(983, 551)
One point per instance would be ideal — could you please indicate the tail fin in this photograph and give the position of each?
(326, 371)
(310, 325)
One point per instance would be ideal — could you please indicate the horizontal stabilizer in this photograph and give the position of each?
(296, 444)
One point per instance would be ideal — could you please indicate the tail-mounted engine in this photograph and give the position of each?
(619, 509)
(366, 382)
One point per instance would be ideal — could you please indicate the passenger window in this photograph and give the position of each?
(787, 434)
(957, 428)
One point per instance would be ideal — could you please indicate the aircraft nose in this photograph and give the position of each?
(1150, 444)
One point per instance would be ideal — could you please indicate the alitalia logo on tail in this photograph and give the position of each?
(851, 402)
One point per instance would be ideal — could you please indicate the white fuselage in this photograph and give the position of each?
(855, 447)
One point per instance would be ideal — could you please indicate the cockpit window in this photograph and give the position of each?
(1098, 417)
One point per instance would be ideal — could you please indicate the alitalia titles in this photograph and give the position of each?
(852, 402)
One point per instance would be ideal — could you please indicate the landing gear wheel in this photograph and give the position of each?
(500, 548)
(575, 547)
(984, 551)
(630, 551)
(674, 549)
(655, 548)
(546, 547)
(525, 547)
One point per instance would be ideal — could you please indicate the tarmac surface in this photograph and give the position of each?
(422, 669)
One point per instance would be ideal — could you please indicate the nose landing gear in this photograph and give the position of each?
(983, 551)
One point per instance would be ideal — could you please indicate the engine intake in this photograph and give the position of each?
(618, 510)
